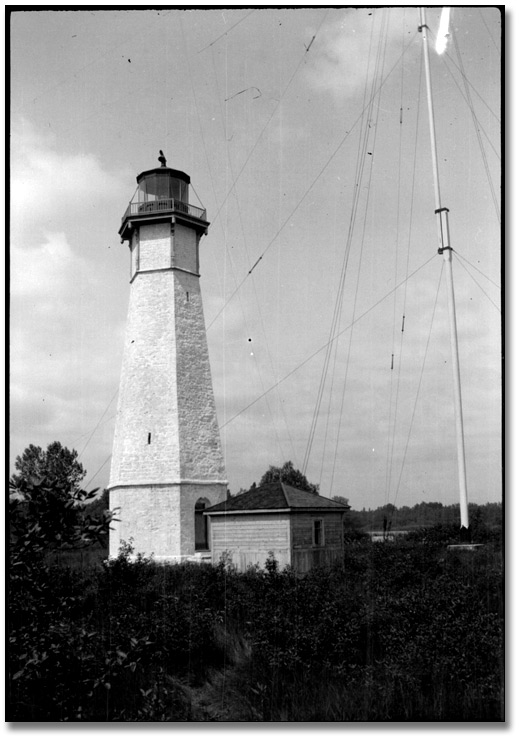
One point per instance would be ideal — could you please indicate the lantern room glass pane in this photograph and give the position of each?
(179, 189)
(161, 188)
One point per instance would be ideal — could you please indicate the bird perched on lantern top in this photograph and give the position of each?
(162, 158)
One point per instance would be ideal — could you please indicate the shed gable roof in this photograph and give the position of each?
(276, 496)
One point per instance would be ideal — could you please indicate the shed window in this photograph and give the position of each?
(317, 532)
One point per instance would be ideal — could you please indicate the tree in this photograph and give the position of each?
(46, 643)
(290, 476)
(46, 494)
(98, 506)
(341, 500)
(57, 464)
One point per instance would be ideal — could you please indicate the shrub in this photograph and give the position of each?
(402, 632)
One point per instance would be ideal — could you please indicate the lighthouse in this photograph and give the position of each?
(167, 462)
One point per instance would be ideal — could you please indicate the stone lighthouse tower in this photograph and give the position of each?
(167, 462)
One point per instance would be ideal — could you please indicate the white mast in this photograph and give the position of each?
(445, 251)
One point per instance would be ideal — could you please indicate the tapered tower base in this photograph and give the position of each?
(164, 522)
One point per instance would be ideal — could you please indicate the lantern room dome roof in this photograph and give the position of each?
(164, 171)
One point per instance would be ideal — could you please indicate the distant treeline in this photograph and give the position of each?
(425, 514)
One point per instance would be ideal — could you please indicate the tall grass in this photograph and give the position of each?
(401, 632)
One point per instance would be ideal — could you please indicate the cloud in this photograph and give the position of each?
(66, 327)
(341, 49)
(59, 342)
(51, 188)
(34, 269)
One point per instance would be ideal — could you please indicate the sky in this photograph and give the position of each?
(305, 134)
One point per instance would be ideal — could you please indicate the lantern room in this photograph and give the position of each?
(162, 194)
(163, 184)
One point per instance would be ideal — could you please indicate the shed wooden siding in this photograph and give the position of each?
(249, 538)
(306, 558)
(305, 555)
(302, 528)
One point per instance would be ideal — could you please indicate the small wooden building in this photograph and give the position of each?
(299, 528)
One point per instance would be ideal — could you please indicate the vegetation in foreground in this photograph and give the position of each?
(403, 631)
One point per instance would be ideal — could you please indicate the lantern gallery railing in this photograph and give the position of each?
(165, 205)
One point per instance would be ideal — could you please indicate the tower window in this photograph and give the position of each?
(187, 296)
(149, 438)
(201, 525)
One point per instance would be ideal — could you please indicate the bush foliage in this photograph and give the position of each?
(402, 631)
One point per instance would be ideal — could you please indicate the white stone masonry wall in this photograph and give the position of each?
(155, 246)
(146, 441)
(167, 451)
